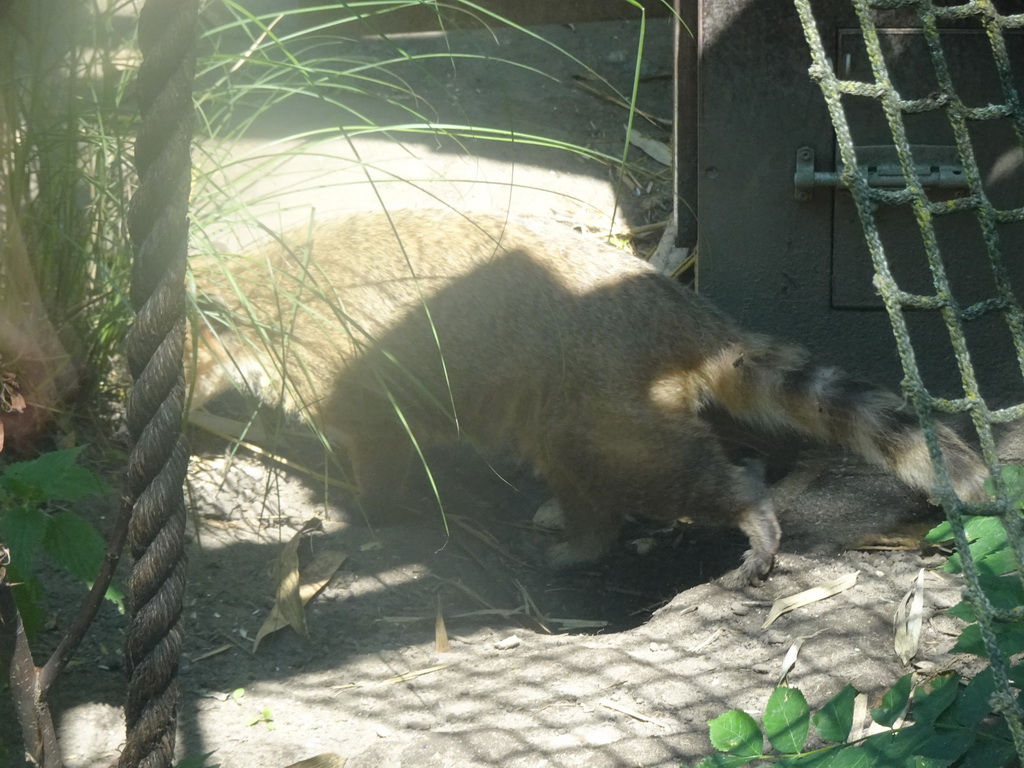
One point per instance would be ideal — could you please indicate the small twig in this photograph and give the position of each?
(659, 122)
(91, 605)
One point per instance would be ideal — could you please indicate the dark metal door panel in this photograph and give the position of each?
(997, 153)
(800, 270)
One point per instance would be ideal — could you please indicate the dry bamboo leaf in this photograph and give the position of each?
(407, 676)
(286, 577)
(509, 643)
(608, 704)
(813, 595)
(709, 640)
(213, 652)
(318, 572)
(658, 150)
(567, 624)
(392, 680)
(529, 606)
(308, 583)
(326, 760)
(861, 718)
(440, 633)
(888, 542)
(908, 619)
(789, 660)
(660, 122)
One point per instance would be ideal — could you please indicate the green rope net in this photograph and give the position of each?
(931, 17)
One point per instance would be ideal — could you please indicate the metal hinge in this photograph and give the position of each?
(937, 166)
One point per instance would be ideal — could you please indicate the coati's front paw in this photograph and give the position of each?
(756, 566)
(762, 528)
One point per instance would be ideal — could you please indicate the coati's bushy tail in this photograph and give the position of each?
(773, 386)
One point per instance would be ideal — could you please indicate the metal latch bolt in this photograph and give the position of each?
(937, 166)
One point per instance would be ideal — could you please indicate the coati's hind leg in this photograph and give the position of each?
(661, 469)
(591, 524)
(381, 457)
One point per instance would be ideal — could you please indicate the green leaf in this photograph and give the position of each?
(939, 747)
(835, 757)
(28, 594)
(1000, 562)
(970, 642)
(894, 702)
(928, 705)
(972, 705)
(1017, 675)
(991, 753)
(75, 545)
(986, 535)
(963, 611)
(787, 718)
(940, 533)
(1004, 591)
(854, 757)
(1013, 476)
(719, 760)
(737, 733)
(54, 476)
(835, 719)
(984, 532)
(22, 529)
(1010, 638)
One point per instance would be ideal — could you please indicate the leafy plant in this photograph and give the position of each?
(951, 720)
(65, 167)
(952, 725)
(996, 565)
(33, 522)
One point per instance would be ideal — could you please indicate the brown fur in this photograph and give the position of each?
(580, 359)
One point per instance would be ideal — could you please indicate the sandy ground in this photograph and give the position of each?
(618, 665)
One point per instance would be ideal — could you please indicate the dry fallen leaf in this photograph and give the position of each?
(403, 678)
(286, 577)
(908, 619)
(326, 760)
(609, 704)
(789, 660)
(440, 633)
(787, 604)
(296, 588)
(658, 150)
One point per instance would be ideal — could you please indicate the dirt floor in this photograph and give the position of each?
(617, 665)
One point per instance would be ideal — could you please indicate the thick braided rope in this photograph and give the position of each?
(896, 300)
(158, 225)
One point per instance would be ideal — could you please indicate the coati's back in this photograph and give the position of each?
(581, 359)
(449, 311)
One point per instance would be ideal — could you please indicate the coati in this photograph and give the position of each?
(385, 328)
